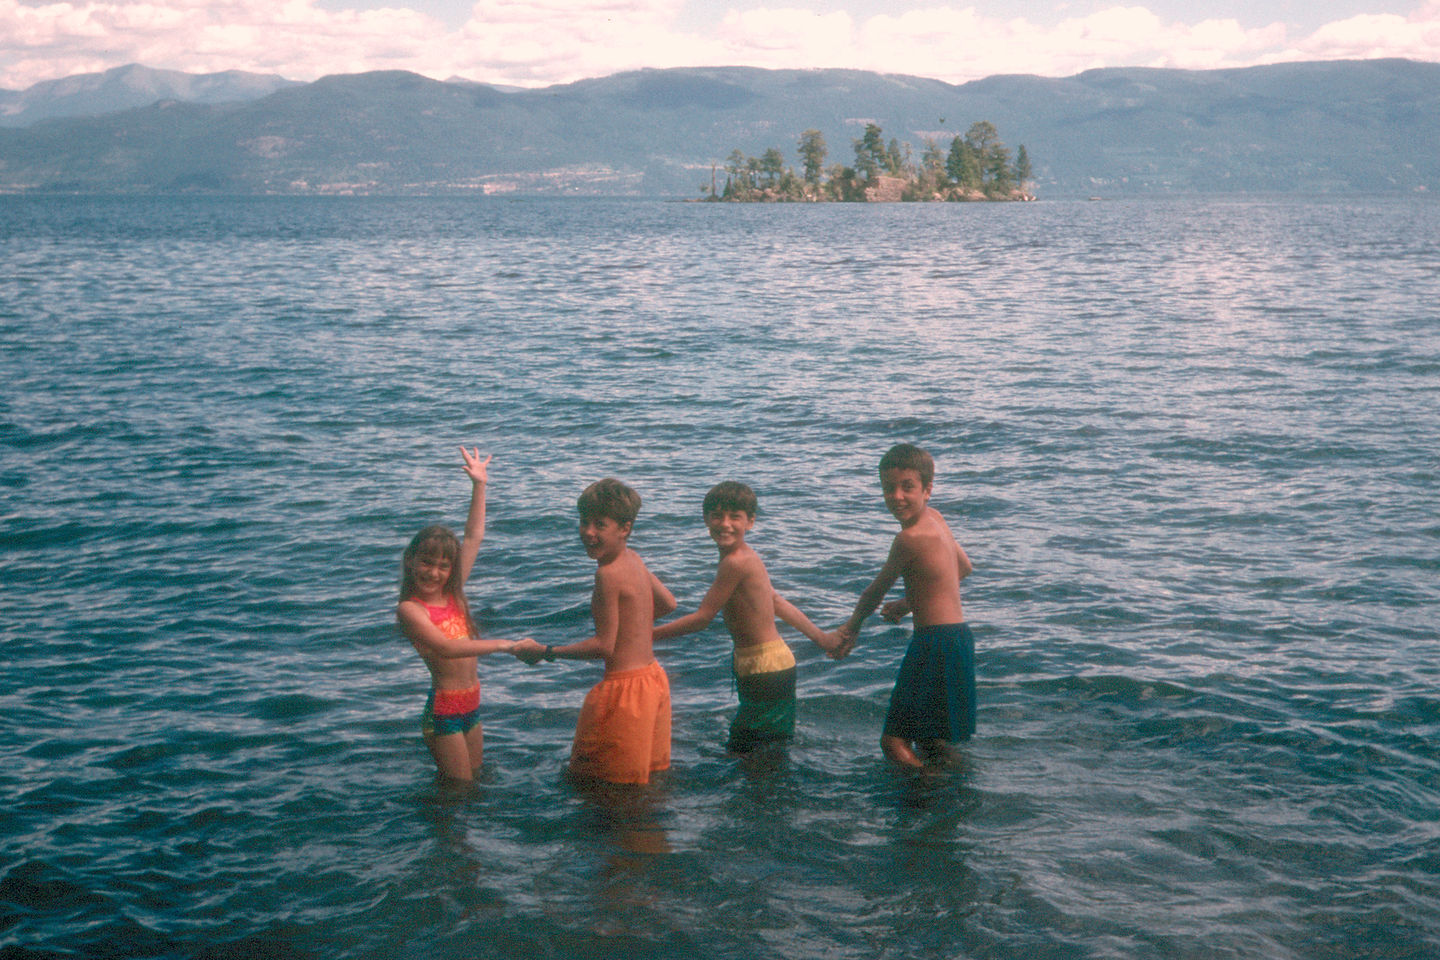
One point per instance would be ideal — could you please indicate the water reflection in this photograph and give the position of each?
(624, 816)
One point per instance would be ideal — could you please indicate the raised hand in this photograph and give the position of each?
(475, 468)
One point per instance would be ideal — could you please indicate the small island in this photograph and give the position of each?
(976, 167)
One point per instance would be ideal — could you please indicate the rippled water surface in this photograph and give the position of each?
(1191, 447)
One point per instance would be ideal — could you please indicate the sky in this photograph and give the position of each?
(532, 43)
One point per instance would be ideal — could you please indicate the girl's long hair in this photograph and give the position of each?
(439, 542)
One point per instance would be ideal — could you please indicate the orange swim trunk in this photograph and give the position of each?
(623, 734)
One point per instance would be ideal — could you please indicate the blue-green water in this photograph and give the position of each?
(1190, 446)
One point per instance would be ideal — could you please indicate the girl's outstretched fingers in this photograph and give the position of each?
(476, 468)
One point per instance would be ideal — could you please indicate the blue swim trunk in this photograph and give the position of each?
(934, 696)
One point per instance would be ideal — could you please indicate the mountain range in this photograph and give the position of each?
(124, 88)
(1329, 127)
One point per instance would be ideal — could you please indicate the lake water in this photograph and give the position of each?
(1193, 449)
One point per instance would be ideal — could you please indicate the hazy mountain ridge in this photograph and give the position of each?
(1311, 127)
(128, 87)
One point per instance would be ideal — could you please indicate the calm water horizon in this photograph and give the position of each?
(1190, 446)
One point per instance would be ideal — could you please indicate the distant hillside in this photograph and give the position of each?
(124, 88)
(1357, 126)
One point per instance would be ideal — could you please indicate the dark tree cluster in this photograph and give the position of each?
(977, 166)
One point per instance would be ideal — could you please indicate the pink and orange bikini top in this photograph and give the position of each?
(449, 618)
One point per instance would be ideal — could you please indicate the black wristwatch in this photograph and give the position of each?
(549, 654)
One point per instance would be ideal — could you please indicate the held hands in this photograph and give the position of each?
(475, 468)
(842, 642)
(528, 651)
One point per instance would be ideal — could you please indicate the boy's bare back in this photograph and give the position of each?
(749, 613)
(930, 561)
(623, 605)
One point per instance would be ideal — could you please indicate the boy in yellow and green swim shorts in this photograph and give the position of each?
(763, 664)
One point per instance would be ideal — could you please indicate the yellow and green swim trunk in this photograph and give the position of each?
(765, 679)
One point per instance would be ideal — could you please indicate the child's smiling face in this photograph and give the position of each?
(906, 495)
(603, 537)
(430, 573)
(728, 527)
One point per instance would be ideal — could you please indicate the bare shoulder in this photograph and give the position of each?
(910, 538)
(741, 563)
(941, 526)
(609, 576)
(754, 558)
(629, 572)
(928, 539)
(409, 614)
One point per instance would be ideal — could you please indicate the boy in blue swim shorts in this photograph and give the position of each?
(933, 703)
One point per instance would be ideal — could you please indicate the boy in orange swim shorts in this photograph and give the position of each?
(623, 734)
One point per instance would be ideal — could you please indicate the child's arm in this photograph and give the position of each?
(871, 596)
(727, 578)
(963, 559)
(475, 468)
(415, 623)
(661, 597)
(604, 608)
(787, 611)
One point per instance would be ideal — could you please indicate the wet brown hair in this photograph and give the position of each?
(730, 495)
(609, 498)
(907, 456)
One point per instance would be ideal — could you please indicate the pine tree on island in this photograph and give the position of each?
(976, 166)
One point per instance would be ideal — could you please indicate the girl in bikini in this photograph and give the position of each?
(435, 618)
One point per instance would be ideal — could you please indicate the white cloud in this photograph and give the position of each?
(293, 37)
(549, 41)
(1376, 35)
(787, 37)
(536, 42)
